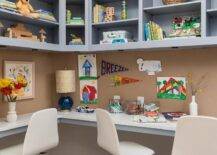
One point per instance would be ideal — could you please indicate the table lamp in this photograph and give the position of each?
(65, 83)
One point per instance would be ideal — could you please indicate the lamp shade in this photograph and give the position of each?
(65, 81)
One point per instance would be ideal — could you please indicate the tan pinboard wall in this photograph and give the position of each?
(174, 62)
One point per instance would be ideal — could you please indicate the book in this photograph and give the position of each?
(153, 31)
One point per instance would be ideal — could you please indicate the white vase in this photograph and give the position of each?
(193, 107)
(12, 114)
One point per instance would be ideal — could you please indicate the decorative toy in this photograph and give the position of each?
(150, 67)
(114, 37)
(171, 88)
(42, 33)
(109, 68)
(186, 26)
(84, 109)
(76, 40)
(119, 80)
(115, 105)
(68, 16)
(19, 31)
(25, 8)
(109, 14)
(124, 10)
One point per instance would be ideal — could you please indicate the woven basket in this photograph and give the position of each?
(167, 2)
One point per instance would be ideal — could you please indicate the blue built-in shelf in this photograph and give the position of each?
(139, 12)
(174, 8)
(9, 15)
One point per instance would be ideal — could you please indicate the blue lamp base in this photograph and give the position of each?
(65, 103)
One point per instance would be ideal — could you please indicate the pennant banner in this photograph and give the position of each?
(109, 68)
(119, 80)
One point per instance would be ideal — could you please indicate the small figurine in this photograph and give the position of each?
(25, 8)
(1, 27)
(42, 33)
(76, 40)
(124, 10)
(19, 31)
(109, 14)
(68, 16)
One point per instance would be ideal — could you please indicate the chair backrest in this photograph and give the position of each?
(107, 134)
(196, 136)
(42, 132)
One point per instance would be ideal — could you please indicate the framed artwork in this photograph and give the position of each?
(88, 92)
(87, 67)
(88, 78)
(171, 88)
(14, 68)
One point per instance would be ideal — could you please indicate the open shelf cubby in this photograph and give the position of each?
(156, 11)
(211, 17)
(130, 24)
(51, 27)
(77, 9)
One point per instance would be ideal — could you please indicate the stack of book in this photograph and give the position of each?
(98, 13)
(153, 31)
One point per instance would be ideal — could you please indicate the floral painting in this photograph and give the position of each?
(171, 88)
(13, 69)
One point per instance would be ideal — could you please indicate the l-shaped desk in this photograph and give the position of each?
(123, 122)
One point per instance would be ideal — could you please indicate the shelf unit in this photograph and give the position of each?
(77, 8)
(139, 12)
(130, 24)
(9, 18)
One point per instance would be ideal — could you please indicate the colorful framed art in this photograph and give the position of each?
(171, 88)
(88, 78)
(27, 69)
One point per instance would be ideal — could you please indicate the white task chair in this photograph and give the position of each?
(196, 135)
(41, 135)
(108, 138)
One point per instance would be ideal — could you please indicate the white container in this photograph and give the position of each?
(12, 114)
(193, 107)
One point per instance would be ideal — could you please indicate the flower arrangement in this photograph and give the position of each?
(195, 87)
(13, 88)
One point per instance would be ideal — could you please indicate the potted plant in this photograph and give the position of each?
(12, 89)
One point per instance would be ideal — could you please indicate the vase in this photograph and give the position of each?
(193, 107)
(12, 114)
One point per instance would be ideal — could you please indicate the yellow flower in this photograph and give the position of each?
(5, 82)
(21, 79)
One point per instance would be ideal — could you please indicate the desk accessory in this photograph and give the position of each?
(12, 89)
(84, 109)
(115, 105)
(65, 83)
